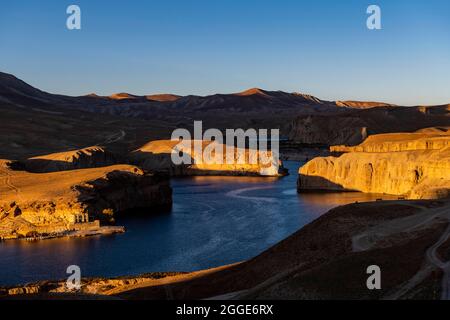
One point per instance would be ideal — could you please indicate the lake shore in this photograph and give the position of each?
(327, 243)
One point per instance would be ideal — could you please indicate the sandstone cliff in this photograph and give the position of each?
(416, 166)
(394, 142)
(156, 156)
(54, 202)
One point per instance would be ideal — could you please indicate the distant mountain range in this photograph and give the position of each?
(16, 91)
(34, 121)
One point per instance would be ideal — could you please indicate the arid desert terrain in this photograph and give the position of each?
(70, 165)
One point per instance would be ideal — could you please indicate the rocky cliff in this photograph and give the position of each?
(63, 199)
(156, 156)
(394, 142)
(416, 166)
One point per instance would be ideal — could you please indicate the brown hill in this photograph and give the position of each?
(353, 126)
(316, 121)
(90, 157)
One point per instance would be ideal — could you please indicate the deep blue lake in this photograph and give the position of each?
(214, 221)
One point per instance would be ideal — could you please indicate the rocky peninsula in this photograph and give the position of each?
(74, 193)
(74, 200)
(156, 156)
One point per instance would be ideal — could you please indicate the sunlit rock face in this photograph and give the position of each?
(90, 157)
(46, 203)
(395, 142)
(157, 156)
(415, 165)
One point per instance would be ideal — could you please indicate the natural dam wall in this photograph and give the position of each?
(157, 156)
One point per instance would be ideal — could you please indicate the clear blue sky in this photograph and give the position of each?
(207, 46)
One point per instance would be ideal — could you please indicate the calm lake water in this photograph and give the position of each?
(214, 221)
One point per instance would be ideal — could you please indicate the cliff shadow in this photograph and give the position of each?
(308, 183)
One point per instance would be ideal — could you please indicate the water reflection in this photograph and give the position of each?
(334, 199)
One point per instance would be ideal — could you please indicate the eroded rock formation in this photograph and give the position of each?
(32, 203)
(414, 165)
(156, 156)
(90, 157)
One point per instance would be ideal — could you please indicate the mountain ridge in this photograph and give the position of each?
(10, 84)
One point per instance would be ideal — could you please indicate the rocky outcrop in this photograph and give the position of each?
(90, 157)
(395, 142)
(38, 204)
(118, 191)
(157, 156)
(416, 166)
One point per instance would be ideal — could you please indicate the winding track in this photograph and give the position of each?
(115, 137)
(367, 240)
(433, 258)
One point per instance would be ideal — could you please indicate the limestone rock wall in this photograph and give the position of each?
(156, 156)
(417, 174)
(53, 202)
(395, 142)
